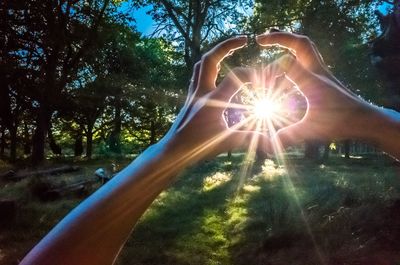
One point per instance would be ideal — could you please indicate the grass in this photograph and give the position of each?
(341, 212)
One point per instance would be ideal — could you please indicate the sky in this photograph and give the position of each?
(146, 25)
(144, 22)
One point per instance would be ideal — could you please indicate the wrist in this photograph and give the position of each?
(179, 152)
(381, 127)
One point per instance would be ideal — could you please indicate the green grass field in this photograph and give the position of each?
(341, 212)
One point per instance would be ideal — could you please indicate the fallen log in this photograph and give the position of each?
(12, 176)
(80, 188)
(7, 175)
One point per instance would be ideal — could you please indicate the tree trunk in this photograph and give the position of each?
(55, 148)
(13, 143)
(78, 146)
(27, 142)
(152, 133)
(39, 137)
(325, 156)
(89, 142)
(5, 111)
(311, 151)
(195, 45)
(3, 141)
(347, 149)
(115, 137)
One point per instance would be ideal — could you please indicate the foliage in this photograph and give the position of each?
(341, 35)
(191, 24)
(80, 73)
(79, 69)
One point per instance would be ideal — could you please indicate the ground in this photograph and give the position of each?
(339, 212)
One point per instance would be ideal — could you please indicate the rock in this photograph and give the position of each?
(100, 173)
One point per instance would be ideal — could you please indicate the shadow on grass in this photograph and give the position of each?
(186, 224)
(352, 213)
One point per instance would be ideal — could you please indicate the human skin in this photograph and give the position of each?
(95, 231)
(334, 112)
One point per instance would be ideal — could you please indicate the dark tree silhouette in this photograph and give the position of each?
(385, 54)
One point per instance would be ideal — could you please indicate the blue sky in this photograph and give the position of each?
(144, 22)
(146, 25)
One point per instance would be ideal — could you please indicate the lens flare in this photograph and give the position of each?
(266, 108)
(273, 107)
(275, 104)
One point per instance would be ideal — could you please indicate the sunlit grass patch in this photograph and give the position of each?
(215, 180)
(270, 170)
(207, 244)
(251, 188)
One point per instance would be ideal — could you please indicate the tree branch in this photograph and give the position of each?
(169, 8)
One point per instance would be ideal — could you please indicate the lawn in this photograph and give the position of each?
(346, 211)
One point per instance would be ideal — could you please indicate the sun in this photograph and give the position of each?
(266, 108)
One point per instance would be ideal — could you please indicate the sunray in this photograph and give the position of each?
(249, 158)
(223, 104)
(290, 186)
(273, 92)
(268, 123)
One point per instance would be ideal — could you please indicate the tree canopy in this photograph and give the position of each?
(76, 77)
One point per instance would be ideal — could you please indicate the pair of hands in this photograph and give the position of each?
(95, 231)
(333, 111)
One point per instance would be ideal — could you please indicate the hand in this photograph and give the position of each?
(333, 111)
(200, 128)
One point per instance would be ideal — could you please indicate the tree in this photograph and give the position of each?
(340, 29)
(385, 54)
(49, 40)
(194, 23)
(154, 98)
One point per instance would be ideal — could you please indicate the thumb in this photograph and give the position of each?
(306, 81)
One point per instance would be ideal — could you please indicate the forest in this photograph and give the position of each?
(79, 79)
(86, 86)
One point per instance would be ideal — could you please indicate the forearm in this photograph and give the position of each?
(388, 135)
(94, 232)
(381, 127)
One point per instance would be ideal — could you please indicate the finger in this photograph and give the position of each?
(233, 82)
(305, 80)
(292, 41)
(318, 54)
(189, 98)
(275, 81)
(211, 60)
(195, 77)
(193, 82)
(269, 75)
(301, 45)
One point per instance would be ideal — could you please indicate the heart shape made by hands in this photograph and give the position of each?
(266, 108)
